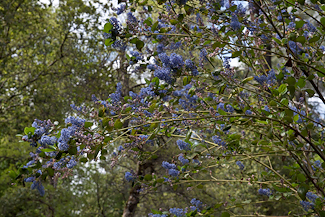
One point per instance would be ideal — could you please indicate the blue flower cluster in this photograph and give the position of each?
(295, 112)
(129, 177)
(157, 215)
(240, 165)
(78, 122)
(116, 97)
(191, 66)
(39, 187)
(116, 24)
(203, 57)
(119, 45)
(197, 204)
(219, 141)
(42, 127)
(120, 9)
(66, 134)
(131, 18)
(136, 55)
(178, 212)
(183, 160)
(171, 168)
(312, 197)
(266, 191)
(187, 101)
(306, 205)
(183, 145)
(266, 80)
(72, 163)
(235, 24)
(170, 64)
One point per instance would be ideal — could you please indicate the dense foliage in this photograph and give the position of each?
(253, 119)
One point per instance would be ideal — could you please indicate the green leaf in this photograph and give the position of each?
(300, 24)
(118, 124)
(88, 124)
(50, 171)
(301, 39)
(73, 150)
(314, 39)
(302, 190)
(107, 28)
(282, 89)
(322, 20)
(301, 82)
(301, 177)
(152, 107)
(148, 177)
(225, 214)
(310, 92)
(109, 42)
(291, 81)
(154, 26)
(186, 80)
(30, 130)
(247, 79)
(47, 150)
(173, 22)
(222, 112)
(236, 54)
(139, 45)
(83, 159)
(296, 118)
(285, 101)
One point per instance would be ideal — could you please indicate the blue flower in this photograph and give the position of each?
(173, 172)
(294, 47)
(30, 179)
(38, 186)
(71, 163)
(115, 23)
(183, 160)
(266, 192)
(131, 18)
(120, 9)
(46, 140)
(116, 97)
(248, 112)
(240, 165)
(160, 48)
(176, 61)
(312, 197)
(163, 74)
(168, 166)
(78, 122)
(183, 145)
(219, 141)
(129, 177)
(306, 205)
(177, 211)
(164, 59)
(197, 203)
(235, 24)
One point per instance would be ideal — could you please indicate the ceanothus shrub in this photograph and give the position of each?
(210, 111)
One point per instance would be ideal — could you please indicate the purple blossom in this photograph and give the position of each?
(240, 165)
(183, 160)
(183, 145)
(168, 166)
(235, 24)
(266, 191)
